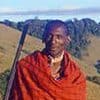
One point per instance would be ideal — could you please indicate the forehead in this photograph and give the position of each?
(56, 30)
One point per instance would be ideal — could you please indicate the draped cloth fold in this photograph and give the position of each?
(33, 80)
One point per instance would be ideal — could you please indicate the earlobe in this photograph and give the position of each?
(69, 38)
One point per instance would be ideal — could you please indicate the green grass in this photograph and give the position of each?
(3, 81)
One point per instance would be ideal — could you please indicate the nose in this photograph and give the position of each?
(53, 40)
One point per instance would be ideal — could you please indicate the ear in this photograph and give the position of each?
(68, 39)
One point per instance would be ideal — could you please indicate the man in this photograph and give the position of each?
(50, 74)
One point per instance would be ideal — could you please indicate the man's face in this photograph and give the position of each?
(55, 41)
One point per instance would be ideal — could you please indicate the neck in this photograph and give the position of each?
(56, 59)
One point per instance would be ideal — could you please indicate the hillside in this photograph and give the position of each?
(93, 51)
(8, 42)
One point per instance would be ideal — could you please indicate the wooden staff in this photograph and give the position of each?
(26, 30)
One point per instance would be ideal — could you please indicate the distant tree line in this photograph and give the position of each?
(79, 31)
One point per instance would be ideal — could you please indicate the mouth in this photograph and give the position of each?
(53, 48)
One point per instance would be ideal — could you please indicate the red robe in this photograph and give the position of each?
(33, 80)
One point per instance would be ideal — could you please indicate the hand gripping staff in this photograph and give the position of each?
(26, 29)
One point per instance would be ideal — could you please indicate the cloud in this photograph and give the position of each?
(64, 11)
(6, 9)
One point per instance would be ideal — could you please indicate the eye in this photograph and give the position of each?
(49, 37)
(59, 37)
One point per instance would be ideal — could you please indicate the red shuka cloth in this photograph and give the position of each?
(33, 80)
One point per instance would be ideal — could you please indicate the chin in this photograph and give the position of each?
(54, 54)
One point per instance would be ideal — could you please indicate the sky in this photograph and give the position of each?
(21, 10)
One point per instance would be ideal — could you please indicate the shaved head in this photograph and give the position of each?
(51, 25)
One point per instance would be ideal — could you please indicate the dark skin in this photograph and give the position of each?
(56, 41)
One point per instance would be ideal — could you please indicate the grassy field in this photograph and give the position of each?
(8, 43)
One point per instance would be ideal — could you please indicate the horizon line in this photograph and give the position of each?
(78, 11)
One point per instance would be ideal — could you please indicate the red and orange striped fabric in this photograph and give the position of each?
(33, 80)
